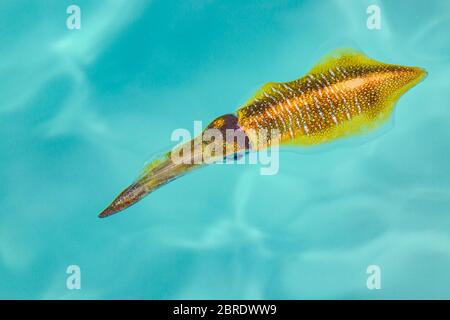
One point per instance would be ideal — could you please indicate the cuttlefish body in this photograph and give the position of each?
(345, 94)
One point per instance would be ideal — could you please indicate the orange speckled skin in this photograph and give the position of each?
(346, 95)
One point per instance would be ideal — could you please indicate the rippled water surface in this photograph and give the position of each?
(82, 110)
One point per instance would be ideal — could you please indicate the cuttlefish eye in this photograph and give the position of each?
(231, 132)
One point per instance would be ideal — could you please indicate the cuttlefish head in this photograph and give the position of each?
(221, 138)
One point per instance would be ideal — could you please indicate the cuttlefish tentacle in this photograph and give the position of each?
(165, 169)
(345, 94)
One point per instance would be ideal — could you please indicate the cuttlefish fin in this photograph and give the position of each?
(266, 89)
(343, 57)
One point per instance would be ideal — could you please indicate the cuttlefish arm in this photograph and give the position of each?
(345, 94)
(181, 160)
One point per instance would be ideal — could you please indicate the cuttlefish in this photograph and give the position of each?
(345, 94)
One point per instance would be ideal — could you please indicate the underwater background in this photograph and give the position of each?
(81, 111)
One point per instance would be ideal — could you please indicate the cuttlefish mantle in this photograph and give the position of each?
(345, 94)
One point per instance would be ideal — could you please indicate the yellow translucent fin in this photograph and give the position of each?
(337, 58)
(343, 58)
(260, 93)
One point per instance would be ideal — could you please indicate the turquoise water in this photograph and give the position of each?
(82, 110)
